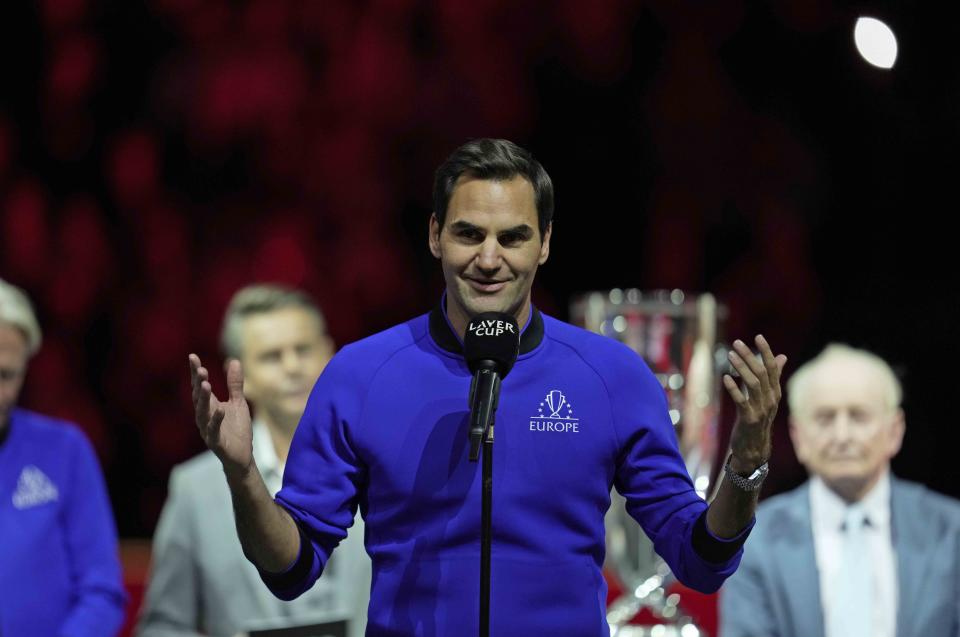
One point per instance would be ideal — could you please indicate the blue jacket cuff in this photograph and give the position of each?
(295, 574)
(716, 549)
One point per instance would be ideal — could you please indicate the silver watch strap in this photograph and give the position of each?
(751, 483)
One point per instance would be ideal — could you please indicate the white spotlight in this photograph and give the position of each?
(875, 42)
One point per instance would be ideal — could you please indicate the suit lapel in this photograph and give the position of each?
(911, 535)
(797, 566)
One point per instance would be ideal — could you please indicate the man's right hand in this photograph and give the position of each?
(224, 425)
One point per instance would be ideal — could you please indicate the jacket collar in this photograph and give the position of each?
(5, 431)
(443, 335)
(797, 564)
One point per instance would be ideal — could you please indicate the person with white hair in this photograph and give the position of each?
(855, 550)
(59, 565)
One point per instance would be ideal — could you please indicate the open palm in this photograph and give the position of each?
(225, 426)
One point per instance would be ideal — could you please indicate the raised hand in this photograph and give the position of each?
(225, 426)
(757, 402)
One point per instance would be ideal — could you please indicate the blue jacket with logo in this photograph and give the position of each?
(386, 429)
(59, 566)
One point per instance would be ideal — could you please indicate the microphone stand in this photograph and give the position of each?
(485, 533)
(482, 413)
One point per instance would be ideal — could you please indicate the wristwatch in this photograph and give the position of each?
(748, 483)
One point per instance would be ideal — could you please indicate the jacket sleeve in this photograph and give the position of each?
(653, 478)
(91, 537)
(323, 476)
(172, 604)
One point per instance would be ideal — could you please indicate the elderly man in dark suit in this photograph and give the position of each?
(855, 550)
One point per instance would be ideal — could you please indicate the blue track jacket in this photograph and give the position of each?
(59, 566)
(386, 429)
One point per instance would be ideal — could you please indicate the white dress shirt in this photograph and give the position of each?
(827, 512)
(267, 460)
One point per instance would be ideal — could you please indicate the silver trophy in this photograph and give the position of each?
(677, 335)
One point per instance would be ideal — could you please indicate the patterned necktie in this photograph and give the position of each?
(852, 609)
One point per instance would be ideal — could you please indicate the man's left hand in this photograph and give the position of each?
(757, 402)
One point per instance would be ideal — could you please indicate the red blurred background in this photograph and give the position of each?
(156, 155)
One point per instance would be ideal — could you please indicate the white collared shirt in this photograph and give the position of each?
(266, 456)
(827, 511)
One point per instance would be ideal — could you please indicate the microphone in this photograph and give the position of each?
(491, 346)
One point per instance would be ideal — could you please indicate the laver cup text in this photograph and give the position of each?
(491, 327)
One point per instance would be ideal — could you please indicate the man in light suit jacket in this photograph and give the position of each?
(854, 551)
(200, 582)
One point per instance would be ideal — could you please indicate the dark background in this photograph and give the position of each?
(157, 155)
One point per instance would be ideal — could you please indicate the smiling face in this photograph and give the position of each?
(845, 430)
(14, 355)
(489, 248)
(283, 353)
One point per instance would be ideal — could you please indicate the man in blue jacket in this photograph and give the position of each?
(385, 430)
(59, 566)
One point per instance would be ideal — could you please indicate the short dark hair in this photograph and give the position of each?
(497, 159)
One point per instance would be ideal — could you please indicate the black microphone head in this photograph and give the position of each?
(492, 337)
